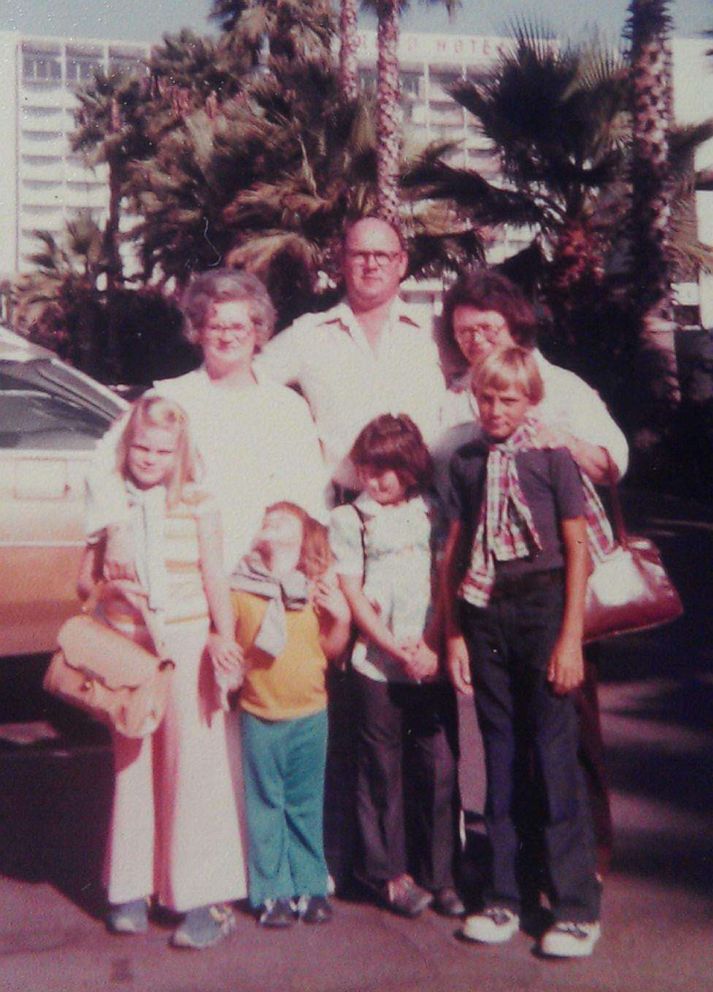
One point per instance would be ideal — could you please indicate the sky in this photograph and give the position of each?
(149, 20)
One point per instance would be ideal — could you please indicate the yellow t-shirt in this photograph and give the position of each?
(291, 685)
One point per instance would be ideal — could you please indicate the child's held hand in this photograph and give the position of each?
(328, 599)
(422, 662)
(225, 654)
(565, 671)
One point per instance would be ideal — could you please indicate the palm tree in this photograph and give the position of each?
(189, 71)
(111, 130)
(59, 304)
(266, 183)
(388, 112)
(348, 70)
(649, 28)
(287, 28)
(559, 166)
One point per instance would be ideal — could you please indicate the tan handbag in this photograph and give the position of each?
(629, 590)
(109, 676)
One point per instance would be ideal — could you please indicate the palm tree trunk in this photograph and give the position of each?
(651, 87)
(348, 67)
(388, 119)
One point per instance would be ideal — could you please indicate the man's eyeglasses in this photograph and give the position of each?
(381, 258)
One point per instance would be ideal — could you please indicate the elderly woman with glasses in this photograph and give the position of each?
(483, 311)
(257, 440)
(258, 445)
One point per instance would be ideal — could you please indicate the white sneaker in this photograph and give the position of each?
(570, 940)
(494, 925)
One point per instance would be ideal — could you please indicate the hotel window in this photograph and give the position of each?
(82, 64)
(41, 66)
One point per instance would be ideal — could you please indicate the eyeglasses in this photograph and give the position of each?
(215, 331)
(381, 258)
(486, 332)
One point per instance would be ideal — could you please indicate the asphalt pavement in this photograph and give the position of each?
(657, 700)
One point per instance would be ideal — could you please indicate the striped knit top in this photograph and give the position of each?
(185, 596)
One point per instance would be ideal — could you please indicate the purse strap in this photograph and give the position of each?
(620, 532)
(362, 536)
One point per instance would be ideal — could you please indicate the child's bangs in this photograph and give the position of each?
(385, 456)
(505, 378)
(508, 368)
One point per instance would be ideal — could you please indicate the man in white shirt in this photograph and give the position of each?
(366, 356)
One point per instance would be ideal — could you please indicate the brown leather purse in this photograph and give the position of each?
(629, 590)
(109, 676)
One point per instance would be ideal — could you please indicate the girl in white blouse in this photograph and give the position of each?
(384, 548)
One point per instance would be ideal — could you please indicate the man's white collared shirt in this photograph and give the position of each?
(347, 383)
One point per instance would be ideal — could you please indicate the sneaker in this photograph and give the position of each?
(447, 902)
(495, 925)
(404, 897)
(128, 917)
(313, 909)
(204, 927)
(276, 913)
(570, 940)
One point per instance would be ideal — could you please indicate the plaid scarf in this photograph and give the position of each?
(505, 528)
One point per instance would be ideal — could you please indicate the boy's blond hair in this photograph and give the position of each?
(156, 411)
(506, 367)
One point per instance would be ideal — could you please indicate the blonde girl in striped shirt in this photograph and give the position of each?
(174, 834)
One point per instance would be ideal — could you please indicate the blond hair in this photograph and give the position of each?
(506, 367)
(315, 553)
(156, 411)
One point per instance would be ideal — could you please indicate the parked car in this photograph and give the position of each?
(51, 416)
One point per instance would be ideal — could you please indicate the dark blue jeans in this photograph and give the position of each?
(406, 730)
(509, 643)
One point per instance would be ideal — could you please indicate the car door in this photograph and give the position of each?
(50, 420)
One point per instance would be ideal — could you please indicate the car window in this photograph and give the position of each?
(37, 412)
(61, 381)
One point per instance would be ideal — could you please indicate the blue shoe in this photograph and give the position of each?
(277, 913)
(204, 927)
(128, 917)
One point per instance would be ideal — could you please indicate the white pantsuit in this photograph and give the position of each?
(175, 828)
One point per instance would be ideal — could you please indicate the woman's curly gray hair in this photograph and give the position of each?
(222, 286)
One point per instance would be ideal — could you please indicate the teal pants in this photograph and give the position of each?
(283, 765)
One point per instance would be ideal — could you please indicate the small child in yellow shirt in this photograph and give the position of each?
(290, 619)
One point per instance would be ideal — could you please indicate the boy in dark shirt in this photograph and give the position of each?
(516, 567)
